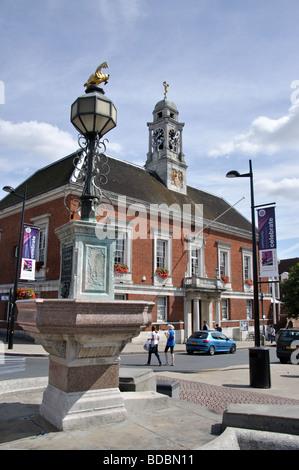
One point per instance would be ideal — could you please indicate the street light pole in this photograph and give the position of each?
(259, 362)
(236, 174)
(257, 336)
(11, 190)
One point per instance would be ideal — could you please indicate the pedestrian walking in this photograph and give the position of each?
(153, 346)
(218, 328)
(169, 344)
(272, 334)
(205, 326)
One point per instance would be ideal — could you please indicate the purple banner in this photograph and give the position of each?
(267, 231)
(29, 253)
(267, 242)
(30, 242)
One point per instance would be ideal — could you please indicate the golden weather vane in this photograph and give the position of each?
(166, 89)
(98, 77)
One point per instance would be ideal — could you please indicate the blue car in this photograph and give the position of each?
(210, 342)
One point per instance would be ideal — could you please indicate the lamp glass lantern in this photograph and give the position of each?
(93, 113)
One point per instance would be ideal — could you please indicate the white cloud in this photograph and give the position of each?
(37, 139)
(114, 148)
(265, 135)
(287, 188)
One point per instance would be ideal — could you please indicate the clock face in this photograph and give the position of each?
(173, 139)
(158, 139)
(177, 178)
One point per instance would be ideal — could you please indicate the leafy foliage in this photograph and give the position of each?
(289, 290)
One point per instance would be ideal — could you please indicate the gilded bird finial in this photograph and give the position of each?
(98, 77)
(166, 89)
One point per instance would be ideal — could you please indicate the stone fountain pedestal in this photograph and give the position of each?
(84, 339)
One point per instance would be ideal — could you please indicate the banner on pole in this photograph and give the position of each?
(29, 253)
(267, 242)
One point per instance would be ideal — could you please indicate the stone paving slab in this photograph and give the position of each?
(165, 429)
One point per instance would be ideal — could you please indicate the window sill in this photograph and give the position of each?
(162, 281)
(248, 288)
(41, 274)
(123, 277)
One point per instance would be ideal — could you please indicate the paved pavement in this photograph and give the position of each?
(186, 424)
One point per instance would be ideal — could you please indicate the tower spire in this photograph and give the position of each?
(165, 84)
(165, 149)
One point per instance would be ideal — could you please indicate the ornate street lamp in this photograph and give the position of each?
(93, 115)
(11, 190)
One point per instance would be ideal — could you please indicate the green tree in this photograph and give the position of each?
(289, 291)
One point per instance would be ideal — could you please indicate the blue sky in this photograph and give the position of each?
(232, 69)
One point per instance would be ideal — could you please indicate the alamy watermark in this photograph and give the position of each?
(295, 354)
(142, 221)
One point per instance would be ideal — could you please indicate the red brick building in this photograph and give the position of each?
(201, 245)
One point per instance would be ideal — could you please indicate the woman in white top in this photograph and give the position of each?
(153, 347)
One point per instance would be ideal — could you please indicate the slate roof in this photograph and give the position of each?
(47, 178)
(286, 264)
(134, 182)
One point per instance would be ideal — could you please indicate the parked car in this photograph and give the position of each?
(210, 342)
(285, 345)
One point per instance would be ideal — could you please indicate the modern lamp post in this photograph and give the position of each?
(11, 190)
(259, 363)
(236, 174)
(93, 115)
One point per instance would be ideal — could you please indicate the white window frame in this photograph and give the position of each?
(224, 307)
(161, 253)
(125, 232)
(42, 236)
(195, 261)
(247, 266)
(195, 243)
(224, 248)
(42, 222)
(158, 233)
(162, 300)
(121, 259)
(247, 255)
(249, 309)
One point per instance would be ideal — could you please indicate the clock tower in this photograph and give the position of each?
(165, 156)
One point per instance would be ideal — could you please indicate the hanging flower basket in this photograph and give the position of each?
(162, 272)
(120, 268)
(249, 282)
(225, 279)
(24, 293)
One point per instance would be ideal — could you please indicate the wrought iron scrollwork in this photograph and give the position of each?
(89, 172)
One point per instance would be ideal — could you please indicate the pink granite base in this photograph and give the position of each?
(81, 378)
